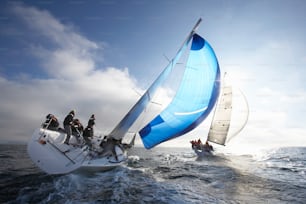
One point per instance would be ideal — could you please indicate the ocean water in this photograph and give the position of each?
(161, 176)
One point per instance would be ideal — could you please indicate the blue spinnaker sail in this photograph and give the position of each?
(123, 126)
(194, 100)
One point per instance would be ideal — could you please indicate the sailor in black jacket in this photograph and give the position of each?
(89, 131)
(67, 125)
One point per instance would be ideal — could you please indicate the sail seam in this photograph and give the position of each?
(191, 112)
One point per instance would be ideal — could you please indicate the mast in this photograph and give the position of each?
(197, 24)
(194, 29)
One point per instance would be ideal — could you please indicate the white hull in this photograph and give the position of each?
(47, 151)
(103, 163)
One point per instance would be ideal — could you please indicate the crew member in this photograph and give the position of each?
(68, 122)
(51, 122)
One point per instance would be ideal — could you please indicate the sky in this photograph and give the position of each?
(97, 56)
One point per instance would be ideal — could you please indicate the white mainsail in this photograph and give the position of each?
(230, 116)
(222, 117)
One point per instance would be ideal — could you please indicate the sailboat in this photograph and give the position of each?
(222, 129)
(195, 98)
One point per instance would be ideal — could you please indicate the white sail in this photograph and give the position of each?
(222, 117)
(240, 114)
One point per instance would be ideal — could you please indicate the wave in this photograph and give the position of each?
(284, 164)
(164, 176)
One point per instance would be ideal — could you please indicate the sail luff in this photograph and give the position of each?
(128, 120)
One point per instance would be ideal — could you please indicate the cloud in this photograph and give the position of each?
(275, 90)
(63, 35)
(66, 64)
(74, 81)
(72, 56)
(23, 105)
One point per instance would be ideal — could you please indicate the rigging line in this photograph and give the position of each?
(137, 92)
(55, 147)
(156, 103)
(77, 156)
(166, 58)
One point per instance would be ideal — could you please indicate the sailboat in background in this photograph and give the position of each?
(194, 100)
(224, 126)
